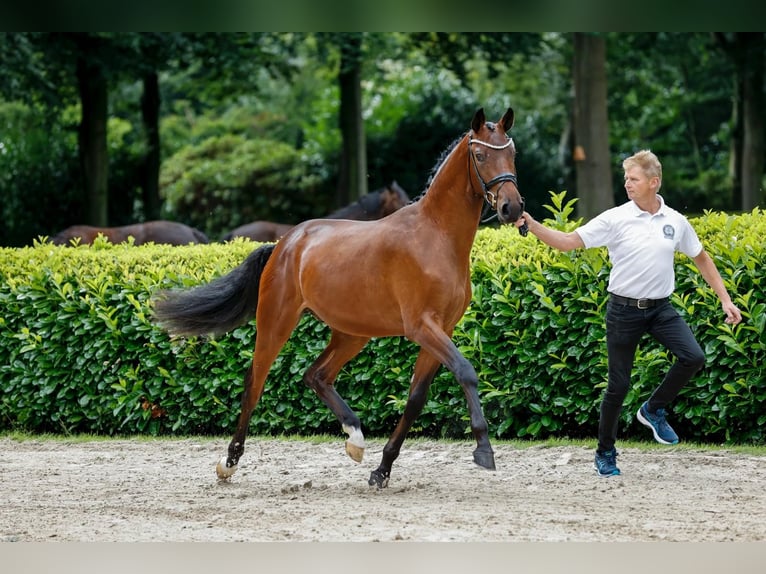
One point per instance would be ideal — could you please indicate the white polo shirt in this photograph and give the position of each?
(641, 247)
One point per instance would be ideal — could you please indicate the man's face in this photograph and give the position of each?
(639, 187)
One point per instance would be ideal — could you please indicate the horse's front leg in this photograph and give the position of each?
(442, 347)
(425, 370)
(484, 456)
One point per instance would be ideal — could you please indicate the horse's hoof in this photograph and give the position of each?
(354, 443)
(224, 472)
(379, 479)
(485, 459)
(355, 452)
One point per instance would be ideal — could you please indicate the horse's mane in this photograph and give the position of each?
(437, 166)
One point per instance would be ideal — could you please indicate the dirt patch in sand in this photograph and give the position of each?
(166, 490)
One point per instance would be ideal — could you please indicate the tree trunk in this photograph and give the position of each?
(352, 181)
(746, 51)
(591, 129)
(92, 139)
(753, 144)
(150, 172)
(735, 145)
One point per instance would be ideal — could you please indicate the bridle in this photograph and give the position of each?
(489, 196)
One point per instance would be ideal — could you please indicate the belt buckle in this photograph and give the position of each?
(643, 303)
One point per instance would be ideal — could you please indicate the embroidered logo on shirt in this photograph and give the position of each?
(668, 231)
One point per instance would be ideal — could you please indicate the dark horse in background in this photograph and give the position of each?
(407, 274)
(375, 205)
(160, 231)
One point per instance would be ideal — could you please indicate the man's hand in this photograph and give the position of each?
(733, 315)
(521, 223)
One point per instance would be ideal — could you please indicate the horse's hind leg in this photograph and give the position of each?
(269, 341)
(321, 376)
(250, 397)
(426, 367)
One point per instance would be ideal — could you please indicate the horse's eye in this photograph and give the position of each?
(480, 155)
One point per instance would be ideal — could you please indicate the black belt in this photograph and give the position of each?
(639, 303)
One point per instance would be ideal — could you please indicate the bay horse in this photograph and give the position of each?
(158, 231)
(405, 275)
(374, 205)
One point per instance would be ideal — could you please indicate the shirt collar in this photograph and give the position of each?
(637, 211)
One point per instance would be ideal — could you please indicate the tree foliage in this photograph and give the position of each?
(665, 92)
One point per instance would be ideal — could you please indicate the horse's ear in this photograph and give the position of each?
(507, 121)
(478, 120)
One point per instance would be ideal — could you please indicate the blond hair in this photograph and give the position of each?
(646, 161)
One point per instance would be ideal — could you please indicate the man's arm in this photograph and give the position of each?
(710, 274)
(560, 240)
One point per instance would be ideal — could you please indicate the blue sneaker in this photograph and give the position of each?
(663, 432)
(606, 463)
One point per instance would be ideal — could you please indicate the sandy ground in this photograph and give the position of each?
(166, 490)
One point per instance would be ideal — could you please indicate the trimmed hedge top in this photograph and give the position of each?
(79, 353)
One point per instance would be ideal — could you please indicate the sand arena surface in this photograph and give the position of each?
(166, 490)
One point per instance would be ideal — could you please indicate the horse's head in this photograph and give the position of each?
(493, 155)
(393, 197)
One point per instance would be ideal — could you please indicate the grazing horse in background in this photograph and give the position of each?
(261, 231)
(159, 231)
(374, 205)
(407, 274)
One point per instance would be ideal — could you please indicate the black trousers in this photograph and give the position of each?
(625, 325)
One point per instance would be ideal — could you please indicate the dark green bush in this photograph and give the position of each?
(228, 180)
(39, 181)
(78, 352)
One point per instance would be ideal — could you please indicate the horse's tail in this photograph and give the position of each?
(216, 307)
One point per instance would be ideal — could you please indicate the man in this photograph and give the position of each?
(641, 236)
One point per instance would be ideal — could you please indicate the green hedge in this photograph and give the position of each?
(78, 351)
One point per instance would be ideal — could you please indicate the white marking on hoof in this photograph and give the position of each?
(355, 443)
(224, 471)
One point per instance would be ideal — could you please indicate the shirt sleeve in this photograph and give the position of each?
(690, 244)
(596, 232)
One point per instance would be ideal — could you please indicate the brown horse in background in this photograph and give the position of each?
(407, 274)
(375, 205)
(159, 231)
(261, 230)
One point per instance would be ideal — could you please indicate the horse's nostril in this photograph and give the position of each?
(509, 210)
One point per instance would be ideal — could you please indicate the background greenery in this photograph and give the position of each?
(249, 122)
(78, 351)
